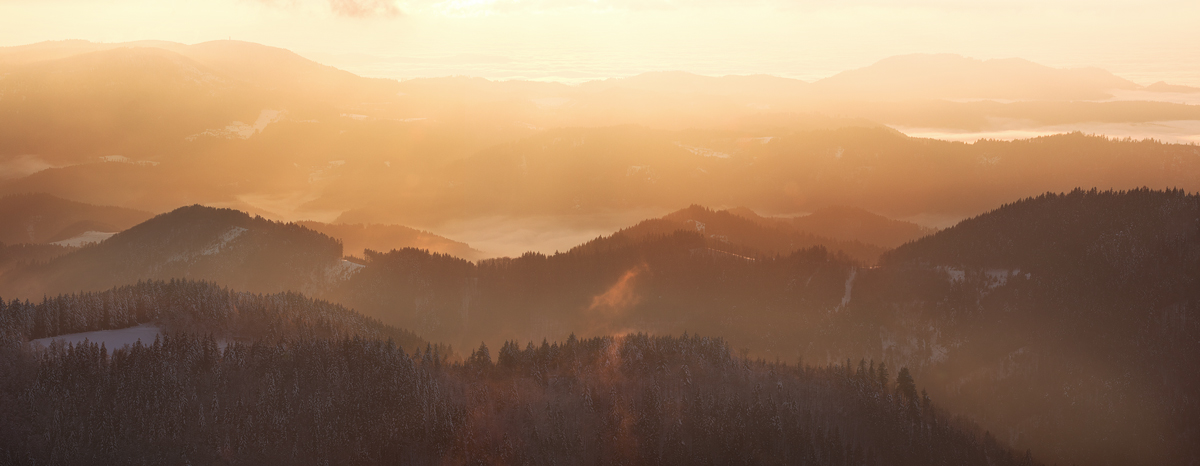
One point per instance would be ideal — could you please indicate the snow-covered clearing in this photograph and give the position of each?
(225, 238)
(343, 270)
(85, 238)
(849, 287)
(112, 339)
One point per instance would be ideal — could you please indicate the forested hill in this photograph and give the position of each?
(197, 242)
(1125, 232)
(627, 400)
(1061, 321)
(203, 308)
(728, 231)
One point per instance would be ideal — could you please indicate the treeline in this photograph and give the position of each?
(194, 307)
(21, 254)
(628, 400)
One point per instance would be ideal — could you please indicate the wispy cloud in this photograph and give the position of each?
(364, 8)
(347, 8)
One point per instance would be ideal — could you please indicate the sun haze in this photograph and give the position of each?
(866, 232)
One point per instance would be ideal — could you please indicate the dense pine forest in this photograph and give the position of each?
(628, 400)
(193, 307)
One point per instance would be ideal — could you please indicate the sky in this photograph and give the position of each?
(575, 40)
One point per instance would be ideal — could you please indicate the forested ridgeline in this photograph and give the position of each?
(194, 242)
(1061, 322)
(194, 307)
(22, 254)
(625, 400)
(659, 283)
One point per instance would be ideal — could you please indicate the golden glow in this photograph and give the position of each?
(575, 40)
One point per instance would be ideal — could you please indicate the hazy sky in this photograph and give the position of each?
(1145, 40)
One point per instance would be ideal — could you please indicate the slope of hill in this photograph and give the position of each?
(358, 237)
(42, 218)
(196, 242)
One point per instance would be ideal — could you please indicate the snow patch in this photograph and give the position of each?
(957, 275)
(240, 130)
(999, 277)
(86, 237)
(124, 159)
(225, 238)
(704, 152)
(343, 270)
(938, 354)
(112, 339)
(849, 288)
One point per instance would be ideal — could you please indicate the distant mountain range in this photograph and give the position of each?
(156, 125)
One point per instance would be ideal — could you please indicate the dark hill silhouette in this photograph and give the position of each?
(42, 218)
(196, 242)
